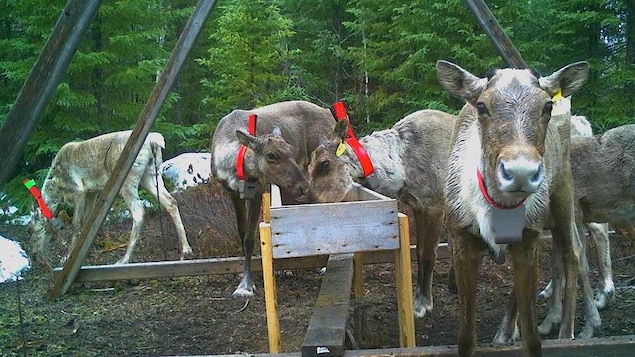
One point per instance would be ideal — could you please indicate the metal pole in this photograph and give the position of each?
(132, 148)
(42, 82)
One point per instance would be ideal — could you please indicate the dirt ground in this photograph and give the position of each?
(197, 316)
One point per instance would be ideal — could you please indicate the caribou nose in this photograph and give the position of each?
(520, 175)
(302, 194)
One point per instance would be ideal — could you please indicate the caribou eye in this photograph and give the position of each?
(481, 108)
(272, 158)
(547, 109)
(323, 166)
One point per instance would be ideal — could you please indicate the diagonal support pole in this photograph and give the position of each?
(495, 32)
(132, 148)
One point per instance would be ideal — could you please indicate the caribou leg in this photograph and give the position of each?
(593, 322)
(566, 241)
(600, 235)
(246, 287)
(169, 203)
(525, 262)
(130, 194)
(465, 251)
(508, 332)
(428, 225)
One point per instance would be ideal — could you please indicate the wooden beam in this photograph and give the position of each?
(495, 32)
(45, 76)
(615, 346)
(132, 148)
(231, 265)
(326, 333)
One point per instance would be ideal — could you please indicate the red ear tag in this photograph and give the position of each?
(30, 184)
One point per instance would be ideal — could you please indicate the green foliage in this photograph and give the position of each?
(246, 61)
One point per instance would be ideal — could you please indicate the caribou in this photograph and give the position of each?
(602, 168)
(80, 171)
(410, 162)
(287, 132)
(580, 127)
(508, 169)
(186, 170)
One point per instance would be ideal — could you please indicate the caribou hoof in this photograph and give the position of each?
(546, 292)
(187, 255)
(245, 289)
(123, 260)
(242, 293)
(604, 299)
(422, 304)
(545, 327)
(590, 329)
(504, 337)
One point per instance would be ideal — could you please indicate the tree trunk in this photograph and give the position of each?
(630, 32)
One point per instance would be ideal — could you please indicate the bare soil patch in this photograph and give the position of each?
(196, 315)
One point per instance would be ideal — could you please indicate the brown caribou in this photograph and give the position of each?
(287, 132)
(410, 162)
(81, 169)
(602, 169)
(508, 169)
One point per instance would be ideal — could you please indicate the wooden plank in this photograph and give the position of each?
(214, 266)
(326, 333)
(334, 228)
(42, 82)
(131, 149)
(615, 346)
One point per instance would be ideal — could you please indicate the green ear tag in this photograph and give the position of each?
(340, 149)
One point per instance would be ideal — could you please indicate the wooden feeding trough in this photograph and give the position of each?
(343, 230)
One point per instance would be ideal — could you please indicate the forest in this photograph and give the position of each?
(378, 56)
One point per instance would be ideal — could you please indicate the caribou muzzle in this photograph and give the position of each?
(519, 175)
(519, 170)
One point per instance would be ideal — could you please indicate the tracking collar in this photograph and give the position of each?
(240, 158)
(339, 112)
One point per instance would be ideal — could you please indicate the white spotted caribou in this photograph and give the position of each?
(509, 167)
(410, 161)
(286, 133)
(81, 169)
(186, 170)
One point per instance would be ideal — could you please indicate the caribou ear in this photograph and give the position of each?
(459, 82)
(276, 131)
(568, 79)
(249, 141)
(341, 128)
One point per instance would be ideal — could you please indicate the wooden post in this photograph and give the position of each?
(42, 82)
(495, 32)
(271, 301)
(358, 275)
(132, 148)
(266, 207)
(403, 272)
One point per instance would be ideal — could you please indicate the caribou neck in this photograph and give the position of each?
(386, 149)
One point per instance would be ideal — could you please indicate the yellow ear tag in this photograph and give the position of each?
(340, 149)
(558, 95)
